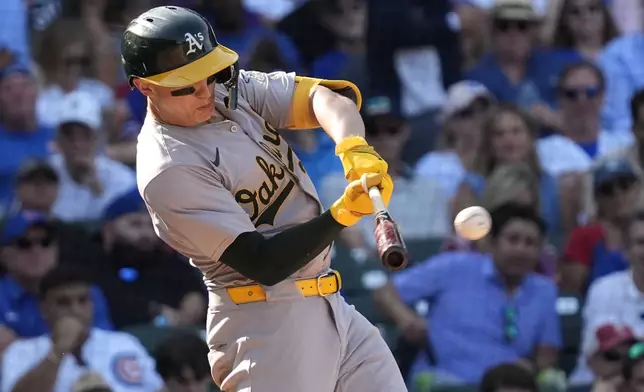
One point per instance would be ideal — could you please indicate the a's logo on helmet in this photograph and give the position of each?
(194, 43)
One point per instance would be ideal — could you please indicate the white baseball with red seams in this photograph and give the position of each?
(473, 223)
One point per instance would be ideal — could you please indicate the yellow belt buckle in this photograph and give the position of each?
(338, 281)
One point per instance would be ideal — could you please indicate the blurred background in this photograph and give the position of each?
(532, 109)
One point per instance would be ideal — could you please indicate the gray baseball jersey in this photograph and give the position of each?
(205, 185)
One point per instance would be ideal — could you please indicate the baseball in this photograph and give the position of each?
(473, 223)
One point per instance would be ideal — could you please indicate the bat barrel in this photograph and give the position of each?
(391, 248)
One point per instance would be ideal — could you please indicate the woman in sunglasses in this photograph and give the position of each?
(585, 27)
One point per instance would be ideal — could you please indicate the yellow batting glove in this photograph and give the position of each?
(359, 158)
(355, 202)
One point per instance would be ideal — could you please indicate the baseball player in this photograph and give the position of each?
(225, 189)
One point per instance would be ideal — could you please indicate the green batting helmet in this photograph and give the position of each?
(176, 47)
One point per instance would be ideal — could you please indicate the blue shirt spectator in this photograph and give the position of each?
(21, 138)
(29, 244)
(621, 62)
(538, 83)
(483, 310)
(466, 338)
(20, 311)
(14, 31)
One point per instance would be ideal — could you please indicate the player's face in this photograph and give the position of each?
(187, 106)
(517, 248)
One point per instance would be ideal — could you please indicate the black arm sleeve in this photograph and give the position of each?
(270, 260)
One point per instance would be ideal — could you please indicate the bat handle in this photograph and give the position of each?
(374, 195)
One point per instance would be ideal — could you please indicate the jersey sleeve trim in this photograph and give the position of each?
(301, 115)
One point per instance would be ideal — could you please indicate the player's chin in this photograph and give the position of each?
(203, 113)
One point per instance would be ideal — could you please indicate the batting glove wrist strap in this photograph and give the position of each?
(359, 158)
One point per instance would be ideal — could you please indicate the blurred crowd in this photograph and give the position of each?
(533, 109)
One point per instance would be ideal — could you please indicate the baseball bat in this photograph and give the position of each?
(391, 247)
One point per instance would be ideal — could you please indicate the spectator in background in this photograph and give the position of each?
(308, 29)
(509, 138)
(89, 181)
(633, 369)
(618, 297)
(584, 26)
(28, 251)
(67, 62)
(515, 316)
(37, 187)
(601, 359)
(508, 377)
(419, 204)
(21, 137)
(635, 152)
(182, 362)
(463, 115)
(54, 362)
(244, 32)
(413, 56)
(134, 266)
(595, 250)
(516, 70)
(515, 183)
(348, 22)
(14, 34)
(621, 62)
(582, 141)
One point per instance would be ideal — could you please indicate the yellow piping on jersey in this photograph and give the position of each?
(302, 116)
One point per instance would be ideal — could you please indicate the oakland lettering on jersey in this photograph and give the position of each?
(264, 196)
(267, 200)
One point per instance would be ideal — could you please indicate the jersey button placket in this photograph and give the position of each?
(233, 129)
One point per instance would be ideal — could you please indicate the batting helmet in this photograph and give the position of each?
(176, 47)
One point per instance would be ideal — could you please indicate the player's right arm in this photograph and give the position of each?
(199, 217)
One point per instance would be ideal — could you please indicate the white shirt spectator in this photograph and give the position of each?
(418, 205)
(559, 154)
(77, 202)
(118, 357)
(615, 299)
(51, 97)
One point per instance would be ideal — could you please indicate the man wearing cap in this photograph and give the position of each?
(595, 250)
(134, 265)
(603, 352)
(462, 117)
(515, 70)
(28, 250)
(21, 137)
(89, 181)
(37, 187)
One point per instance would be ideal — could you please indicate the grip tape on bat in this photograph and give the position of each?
(391, 248)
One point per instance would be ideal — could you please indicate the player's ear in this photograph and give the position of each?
(144, 87)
